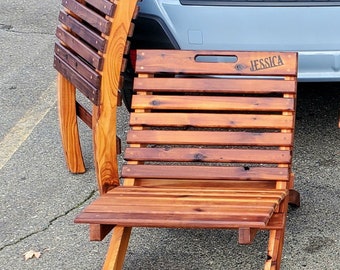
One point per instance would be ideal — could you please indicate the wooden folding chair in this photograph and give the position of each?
(210, 146)
(89, 56)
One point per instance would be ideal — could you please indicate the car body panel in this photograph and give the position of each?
(310, 28)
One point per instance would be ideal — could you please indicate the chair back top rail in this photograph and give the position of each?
(217, 62)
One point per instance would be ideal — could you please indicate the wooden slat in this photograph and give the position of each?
(248, 63)
(161, 209)
(207, 155)
(209, 138)
(205, 184)
(205, 172)
(214, 85)
(79, 47)
(104, 6)
(82, 31)
(212, 120)
(215, 192)
(77, 80)
(232, 203)
(170, 220)
(88, 15)
(84, 115)
(78, 65)
(154, 196)
(212, 103)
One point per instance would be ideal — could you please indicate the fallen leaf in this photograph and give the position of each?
(30, 254)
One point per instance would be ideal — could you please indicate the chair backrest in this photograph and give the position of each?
(78, 54)
(231, 113)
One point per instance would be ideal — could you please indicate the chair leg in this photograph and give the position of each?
(294, 198)
(68, 125)
(117, 249)
(274, 253)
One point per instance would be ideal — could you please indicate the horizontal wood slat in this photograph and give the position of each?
(78, 65)
(207, 155)
(212, 103)
(248, 63)
(275, 222)
(205, 172)
(214, 85)
(82, 31)
(169, 220)
(104, 6)
(88, 15)
(139, 206)
(84, 115)
(211, 193)
(209, 138)
(77, 80)
(80, 48)
(212, 120)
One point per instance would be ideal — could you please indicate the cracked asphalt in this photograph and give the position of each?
(40, 198)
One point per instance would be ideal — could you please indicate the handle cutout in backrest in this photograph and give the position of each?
(201, 58)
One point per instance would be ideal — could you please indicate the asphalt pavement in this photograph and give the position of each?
(39, 198)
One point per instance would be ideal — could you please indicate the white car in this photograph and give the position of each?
(311, 28)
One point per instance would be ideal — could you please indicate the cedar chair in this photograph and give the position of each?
(90, 55)
(210, 146)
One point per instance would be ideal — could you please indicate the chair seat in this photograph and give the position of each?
(139, 206)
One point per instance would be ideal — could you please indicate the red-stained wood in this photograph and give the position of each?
(212, 120)
(205, 172)
(68, 125)
(93, 18)
(84, 50)
(185, 62)
(254, 207)
(167, 154)
(214, 85)
(205, 151)
(89, 47)
(212, 103)
(78, 65)
(77, 80)
(105, 6)
(218, 138)
(84, 115)
(104, 130)
(99, 231)
(82, 31)
(246, 235)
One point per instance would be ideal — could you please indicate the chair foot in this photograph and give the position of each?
(68, 125)
(294, 198)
